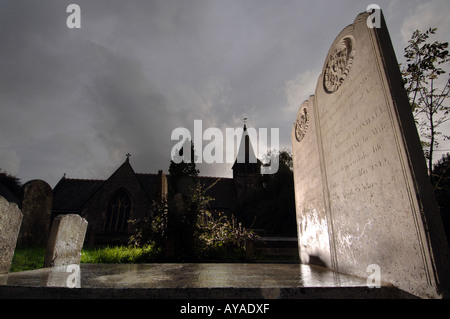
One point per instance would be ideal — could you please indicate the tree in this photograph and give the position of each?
(441, 184)
(183, 166)
(428, 85)
(11, 183)
(183, 172)
(184, 204)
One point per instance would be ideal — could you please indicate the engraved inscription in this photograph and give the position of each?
(354, 131)
(301, 125)
(339, 64)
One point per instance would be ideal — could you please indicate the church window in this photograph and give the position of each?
(118, 212)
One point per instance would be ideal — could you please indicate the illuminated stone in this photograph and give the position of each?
(361, 188)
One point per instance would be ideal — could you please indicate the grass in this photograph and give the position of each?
(27, 259)
(33, 257)
(120, 255)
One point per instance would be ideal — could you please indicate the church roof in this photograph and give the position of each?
(70, 195)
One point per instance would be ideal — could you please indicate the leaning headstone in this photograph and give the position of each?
(363, 197)
(65, 241)
(10, 221)
(36, 208)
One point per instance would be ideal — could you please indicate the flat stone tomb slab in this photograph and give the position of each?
(190, 281)
(190, 276)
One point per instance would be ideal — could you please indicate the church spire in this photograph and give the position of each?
(246, 152)
(246, 168)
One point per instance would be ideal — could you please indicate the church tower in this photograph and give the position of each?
(246, 168)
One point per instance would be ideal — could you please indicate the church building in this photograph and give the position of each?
(109, 204)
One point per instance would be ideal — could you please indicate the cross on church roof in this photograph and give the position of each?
(128, 156)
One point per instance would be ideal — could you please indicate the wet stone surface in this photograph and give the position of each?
(187, 281)
(190, 276)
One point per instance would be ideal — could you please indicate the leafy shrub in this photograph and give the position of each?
(219, 228)
(198, 232)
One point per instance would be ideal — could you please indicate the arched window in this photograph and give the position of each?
(118, 212)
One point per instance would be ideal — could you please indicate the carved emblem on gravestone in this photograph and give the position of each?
(339, 64)
(301, 124)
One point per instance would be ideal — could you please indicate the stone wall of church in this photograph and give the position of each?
(95, 210)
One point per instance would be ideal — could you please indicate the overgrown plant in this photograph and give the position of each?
(216, 229)
(220, 228)
(199, 231)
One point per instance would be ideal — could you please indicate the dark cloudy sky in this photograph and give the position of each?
(75, 101)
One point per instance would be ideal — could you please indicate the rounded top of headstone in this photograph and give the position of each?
(37, 183)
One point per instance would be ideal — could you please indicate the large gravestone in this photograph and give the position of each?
(361, 188)
(10, 221)
(65, 241)
(36, 208)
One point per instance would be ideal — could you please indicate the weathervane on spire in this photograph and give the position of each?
(245, 123)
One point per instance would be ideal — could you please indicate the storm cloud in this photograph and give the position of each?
(75, 101)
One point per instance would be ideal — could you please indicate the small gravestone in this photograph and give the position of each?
(65, 241)
(36, 208)
(10, 221)
(362, 193)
